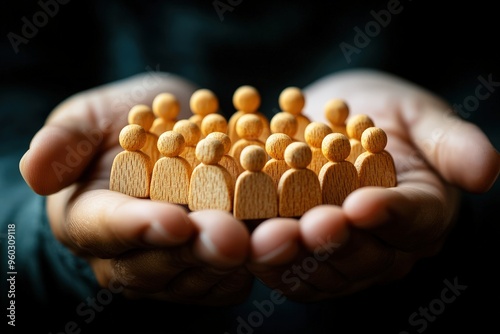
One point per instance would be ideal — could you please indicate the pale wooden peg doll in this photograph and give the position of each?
(211, 184)
(142, 115)
(202, 103)
(275, 148)
(292, 100)
(166, 108)
(192, 135)
(246, 100)
(338, 177)
(249, 128)
(375, 166)
(336, 112)
(355, 127)
(227, 161)
(213, 123)
(131, 169)
(284, 122)
(299, 189)
(314, 134)
(255, 194)
(171, 173)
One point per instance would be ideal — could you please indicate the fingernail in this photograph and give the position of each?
(212, 254)
(156, 235)
(279, 255)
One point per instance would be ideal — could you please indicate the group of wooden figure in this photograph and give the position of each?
(251, 166)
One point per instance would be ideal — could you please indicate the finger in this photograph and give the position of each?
(85, 124)
(106, 223)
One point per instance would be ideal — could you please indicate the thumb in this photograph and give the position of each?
(457, 149)
(88, 123)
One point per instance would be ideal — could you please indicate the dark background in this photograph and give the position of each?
(271, 45)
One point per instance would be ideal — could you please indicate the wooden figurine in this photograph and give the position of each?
(275, 148)
(375, 166)
(314, 134)
(246, 100)
(336, 112)
(166, 108)
(338, 177)
(202, 103)
(171, 173)
(192, 134)
(131, 169)
(284, 122)
(227, 161)
(213, 123)
(355, 127)
(292, 100)
(249, 129)
(299, 189)
(211, 185)
(142, 115)
(255, 194)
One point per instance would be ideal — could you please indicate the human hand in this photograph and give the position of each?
(154, 250)
(379, 233)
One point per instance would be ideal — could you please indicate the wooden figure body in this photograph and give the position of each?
(284, 122)
(275, 148)
(299, 189)
(336, 113)
(202, 103)
(142, 115)
(314, 134)
(355, 127)
(211, 185)
(375, 166)
(227, 161)
(171, 174)
(166, 108)
(255, 195)
(131, 169)
(249, 129)
(192, 134)
(338, 177)
(292, 100)
(246, 100)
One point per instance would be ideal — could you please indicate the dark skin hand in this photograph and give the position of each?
(162, 251)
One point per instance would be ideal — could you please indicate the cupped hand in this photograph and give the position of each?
(153, 249)
(379, 233)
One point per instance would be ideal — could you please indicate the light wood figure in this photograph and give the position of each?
(166, 108)
(211, 185)
(213, 123)
(292, 100)
(275, 148)
(202, 103)
(142, 115)
(255, 194)
(314, 134)
(299, 189)
(249, 129)
(336, 112)
(338, 177)
(355, 127)
(227, 161)
(375, 166)
(192, 135)
(246, 100)
(131, 169)
(171, 173)
(284, 122)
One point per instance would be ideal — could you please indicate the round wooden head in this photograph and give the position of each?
(209, 151)
(249, 126)
(213, 123)
(315, 132)
(336, 147)
(204, 102)
(253, 158)
(132, 137)
(336, 111)
(284, 122)
(298, 155)
(357, 124)
(223, 138)
(166, 106)
(374, 140)
(142, 115)
(246, 98)
(189, 130)
(276, 144)
(292, 100)
(171, 143)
